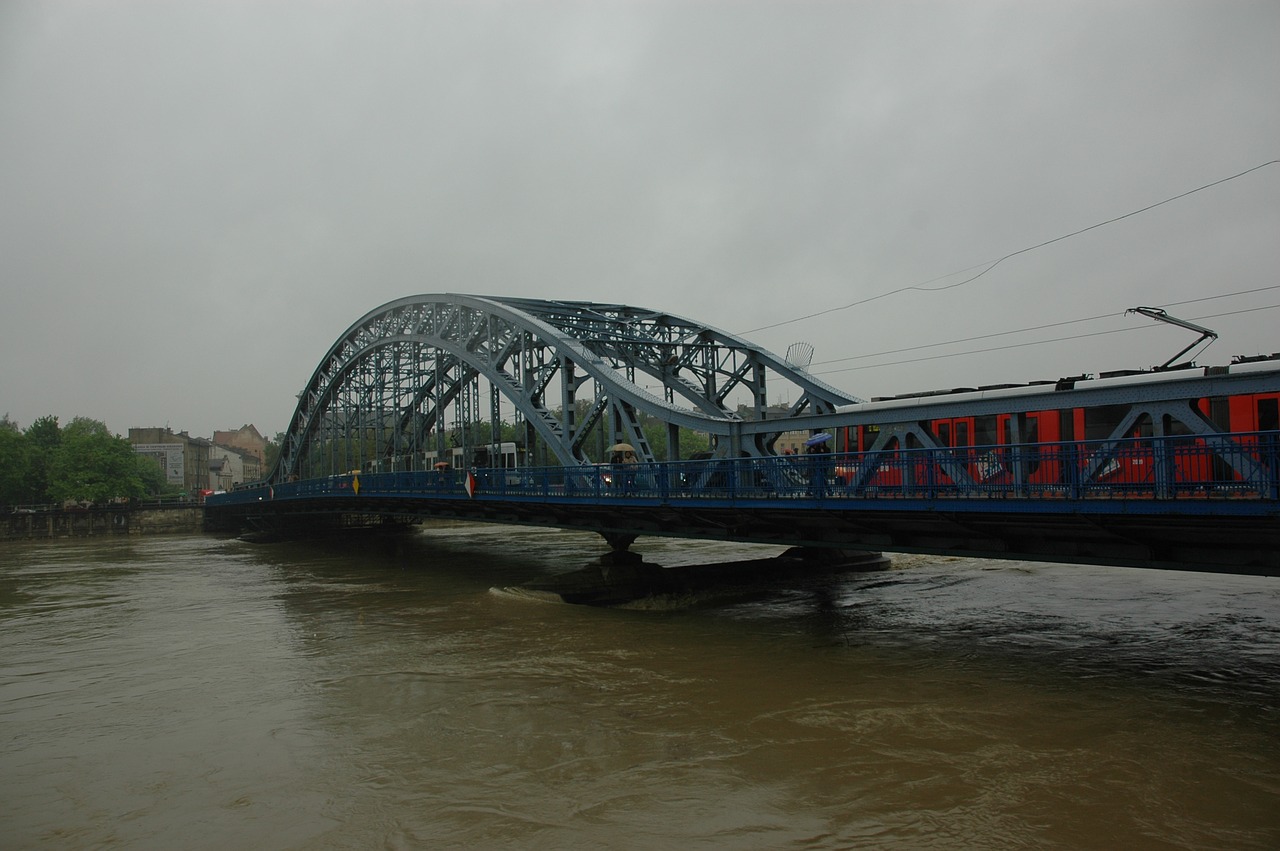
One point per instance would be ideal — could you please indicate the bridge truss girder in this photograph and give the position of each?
(1168, 408)
(384, 390)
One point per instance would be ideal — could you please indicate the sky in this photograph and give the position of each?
(198, 198)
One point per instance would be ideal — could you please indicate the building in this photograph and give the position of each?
(791, 443)
(788, 442)
(230, 466)
(221, 474)
(184, 459)
(246, 439)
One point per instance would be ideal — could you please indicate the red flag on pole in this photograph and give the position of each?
(471, 485)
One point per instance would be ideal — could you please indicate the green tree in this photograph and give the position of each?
(15, 465)
(272, 453)
(151, 474)
(90, 464)
(43, 439)
(45, 432)
(655, 431)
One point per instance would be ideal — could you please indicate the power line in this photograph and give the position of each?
(1224, 295)
(1234, 312)
(969, 339)
(922, 287)
(1034, 342)
(1038, 328)
(989, 349)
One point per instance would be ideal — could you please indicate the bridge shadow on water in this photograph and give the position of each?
(1200, 635)
(625, 578)
(539, 564)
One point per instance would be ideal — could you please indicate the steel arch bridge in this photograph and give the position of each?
(423, 375)
(1173, 468)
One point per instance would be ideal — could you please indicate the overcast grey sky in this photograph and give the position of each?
(197, 198)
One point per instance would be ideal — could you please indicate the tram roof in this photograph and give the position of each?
(1243, 375)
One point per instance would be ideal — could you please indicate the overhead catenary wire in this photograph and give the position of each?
(1029, 329)
(969, 339)
(1223, 295)
(1031, 342)
(989, 265)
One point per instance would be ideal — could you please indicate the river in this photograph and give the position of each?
(207, 693)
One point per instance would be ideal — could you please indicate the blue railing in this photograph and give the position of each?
(1236, 466)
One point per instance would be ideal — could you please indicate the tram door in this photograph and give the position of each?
(1036, 455)
(954, 435)
(889, 470)
(1258, 413)
(1268, 413)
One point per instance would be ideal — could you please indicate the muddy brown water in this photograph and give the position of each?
(200, 692)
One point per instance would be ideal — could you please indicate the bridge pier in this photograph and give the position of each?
(619, 541)
(620, 577)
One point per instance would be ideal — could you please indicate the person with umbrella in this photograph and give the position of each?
(819, 446)
(623, 457)
(442, 475)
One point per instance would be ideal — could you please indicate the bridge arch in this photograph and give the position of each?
(412, 378)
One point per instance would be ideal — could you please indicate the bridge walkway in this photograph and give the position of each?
(1173, 507)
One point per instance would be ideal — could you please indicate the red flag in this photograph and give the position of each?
(471, 485)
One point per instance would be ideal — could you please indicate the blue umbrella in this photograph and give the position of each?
(820, 437)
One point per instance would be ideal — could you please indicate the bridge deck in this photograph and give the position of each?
(1172, 510)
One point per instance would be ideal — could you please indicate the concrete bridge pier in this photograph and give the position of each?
(620, 576)
(619, 541)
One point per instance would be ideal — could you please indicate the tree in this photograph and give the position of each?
(90, 464)
(151, 474)
(272, 453)
(15, 464)
(43, 439)
(45, 432)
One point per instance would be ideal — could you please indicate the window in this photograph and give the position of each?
(1268, 414)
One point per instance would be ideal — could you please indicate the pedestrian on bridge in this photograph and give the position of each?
(819, 448)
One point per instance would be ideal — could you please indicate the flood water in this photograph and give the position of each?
(200, 692)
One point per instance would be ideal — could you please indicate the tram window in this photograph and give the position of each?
(984, 431)
(1100, 422)
(1032, 438)
(1030, 430)
(962, 434)
(944, 434)
(1220, 412)
(1067, 423)
(1268, 414)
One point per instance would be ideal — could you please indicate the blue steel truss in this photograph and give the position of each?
(1166, 482)
(1156, 472)
(413, 378)
(1168, 503)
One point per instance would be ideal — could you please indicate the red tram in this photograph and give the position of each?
(1104, 443)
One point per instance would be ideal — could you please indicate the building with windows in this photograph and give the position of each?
(184, 459)
(230, 466)
(246, 439)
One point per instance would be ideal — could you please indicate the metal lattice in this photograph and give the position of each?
(408, 382)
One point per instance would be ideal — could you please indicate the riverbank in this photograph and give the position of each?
(101, 521)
